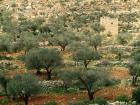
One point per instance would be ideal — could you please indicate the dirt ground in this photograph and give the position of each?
(109, 93)
(63, 99)
(13, 54)
(120, 73)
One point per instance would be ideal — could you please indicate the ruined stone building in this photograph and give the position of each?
(110, 25)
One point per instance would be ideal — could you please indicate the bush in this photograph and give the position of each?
(50, 103)
(19, 103)
(100, 101)
(72, 90)
(76, 103)
(122, 98)
(22, 58)
(4, 101)
(88, 102)
(4, 45)
(136, 95)
(5, 58)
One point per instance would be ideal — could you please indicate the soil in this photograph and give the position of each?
(120, 73)
(109, 93)
(62, 99)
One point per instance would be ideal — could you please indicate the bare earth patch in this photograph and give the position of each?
(107, 93)
(111, 93)
(13, 54)
(120, 73)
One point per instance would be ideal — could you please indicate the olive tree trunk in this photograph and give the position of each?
(26, 99)
(49, 74)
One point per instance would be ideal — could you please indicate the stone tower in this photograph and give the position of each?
(110, 25)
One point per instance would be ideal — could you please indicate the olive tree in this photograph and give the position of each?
(25, 42)
(4, 45)
(74, 46)
(96, 41)
(32, 26)
(93, 82)
(44, 58)
(33, 61)
(6, 23)
(85, 56)
(23, 86)
(29, 43)
(63, 39)
(51, 58)
(134, 70)
(118, 51)
(136, 95)
(3, 83)
(67, 77)
(137, 57)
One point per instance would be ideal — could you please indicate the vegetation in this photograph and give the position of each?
(67, 77)
(96, 41)
(85, 56)
(122, 98)
(100, 101)
(33, 60)
(93, 82)
(63, 50)
(50, 103)
(23, 86)
(4, 82)
(136, 95)
(44, 58)
(134, 71)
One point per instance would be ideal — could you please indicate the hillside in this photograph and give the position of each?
(69, 52)
(46, 8)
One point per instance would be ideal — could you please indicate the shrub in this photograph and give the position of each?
(19, 103)
(5, 58)
(88, 102)
(85, 56)
(100, 101)
(22, 58)
(122, 98)
(4, 45)
(76, 103)
(72, 90)
(4, 101)
(136, 95)
(50, 103)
